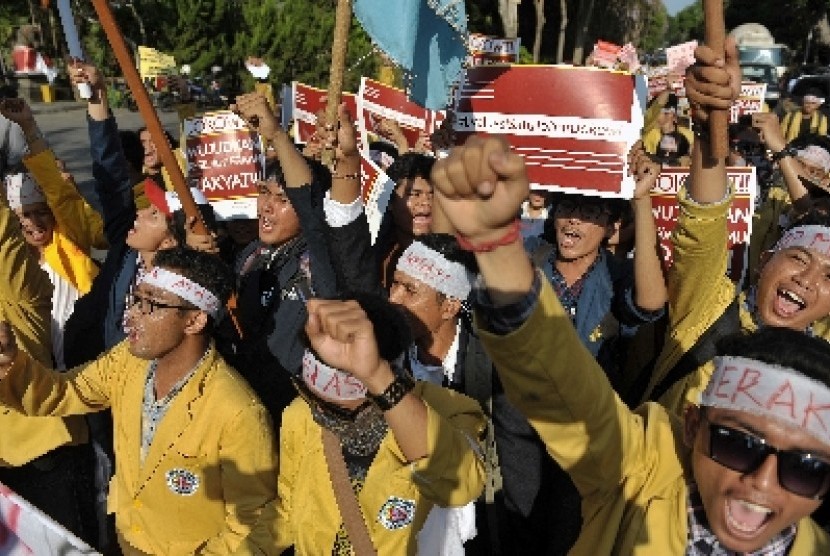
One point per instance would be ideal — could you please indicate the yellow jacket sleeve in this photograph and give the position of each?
(75, 217)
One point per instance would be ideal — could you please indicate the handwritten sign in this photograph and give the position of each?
(739, 225)
(225, 161)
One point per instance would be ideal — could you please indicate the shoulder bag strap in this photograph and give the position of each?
(346, 500)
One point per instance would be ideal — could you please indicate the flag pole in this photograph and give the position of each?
(148, 113)
(339, 47)
(715, 36)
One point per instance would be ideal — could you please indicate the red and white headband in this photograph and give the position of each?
(330, 383)
(436, 271)
(770, 391)
(185, 288)
(810, 237)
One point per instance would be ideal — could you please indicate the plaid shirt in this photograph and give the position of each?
(568, 296)
(702, 542)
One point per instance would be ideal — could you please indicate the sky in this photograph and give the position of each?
(674, 6)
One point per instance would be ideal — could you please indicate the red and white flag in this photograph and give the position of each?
(26, 531)
(377, 101)
(573, 125)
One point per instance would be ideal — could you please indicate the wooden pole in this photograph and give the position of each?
(148, 113)
(339, 47)
(715, 36)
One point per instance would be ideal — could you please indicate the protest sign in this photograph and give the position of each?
(680, 57)
(664, 204)
(308, 103)
(152, 63)
(376, 189)
(613, 56)
(224, 160)
(486, 50)
(26, 531)
(749, 101)
(377, 101)
(574, 126)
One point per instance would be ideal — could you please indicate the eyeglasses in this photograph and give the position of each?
(146, 305)
(588, 211)
(798, 472)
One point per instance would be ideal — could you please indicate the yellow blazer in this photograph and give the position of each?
(26, 304)
(209, 471)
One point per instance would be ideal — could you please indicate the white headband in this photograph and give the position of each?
(185, 288)
(810, 237)
(771, 391)
(816, 156)
(813, 98)
(22, 190)
(329, 382)
(174, 204)
(436, 271)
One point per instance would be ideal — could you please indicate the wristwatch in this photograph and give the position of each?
(395, 392)
(784, 153)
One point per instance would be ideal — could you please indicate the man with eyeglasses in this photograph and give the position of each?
(195, 451)
(740, 475)
(607, 299)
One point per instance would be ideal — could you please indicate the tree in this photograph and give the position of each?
(563, 27)
(540, 27)
(686, 25)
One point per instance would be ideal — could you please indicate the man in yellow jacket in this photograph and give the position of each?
(808, 120)
(195, 455)
(650, 484)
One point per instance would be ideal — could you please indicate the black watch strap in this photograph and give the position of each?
(394, 393)
(784, 153)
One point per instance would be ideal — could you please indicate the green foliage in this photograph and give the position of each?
(687, 25)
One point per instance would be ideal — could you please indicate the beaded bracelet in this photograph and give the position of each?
(355, 176)
(513, 233)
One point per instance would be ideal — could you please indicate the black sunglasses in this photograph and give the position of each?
(801, 473)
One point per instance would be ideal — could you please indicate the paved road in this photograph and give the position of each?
(65, 129)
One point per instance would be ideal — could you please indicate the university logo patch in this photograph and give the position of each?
(396, 513)
(182, 481)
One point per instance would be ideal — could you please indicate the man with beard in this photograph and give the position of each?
(195, 453)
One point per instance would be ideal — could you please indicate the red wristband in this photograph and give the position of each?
(513, 233)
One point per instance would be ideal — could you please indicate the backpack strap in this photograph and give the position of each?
(704, 349)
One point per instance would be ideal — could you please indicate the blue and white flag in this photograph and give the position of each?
(427, 38)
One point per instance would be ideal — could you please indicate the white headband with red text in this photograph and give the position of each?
(185, 288)
(809, 237)
(329, 382)
(436, 271)
(771, 391)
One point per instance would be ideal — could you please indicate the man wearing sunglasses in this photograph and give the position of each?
(195, 451)
(740, 475)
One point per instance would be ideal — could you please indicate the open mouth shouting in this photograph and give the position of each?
(788, 303)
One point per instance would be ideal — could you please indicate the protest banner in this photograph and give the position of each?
(486, 50)
(26, 531)
(224, 160)
(613, 56)
(749, 101)
(377, 101)
(680, 56)
(152, 63)
(573, 125)
(664, 204)
(309, 102)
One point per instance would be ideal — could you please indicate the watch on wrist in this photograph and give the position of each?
(784, 153)
(394, 393)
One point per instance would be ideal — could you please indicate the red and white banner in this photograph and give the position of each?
(574, 126)
(310, 101)
(680, 57)
(224, 160)
(377, 101)
(26, 531)
(486, 50)
(750, 101)
(664, 202)
(376, 189)
(613, 56)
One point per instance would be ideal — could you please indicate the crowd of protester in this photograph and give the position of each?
(501, 371)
